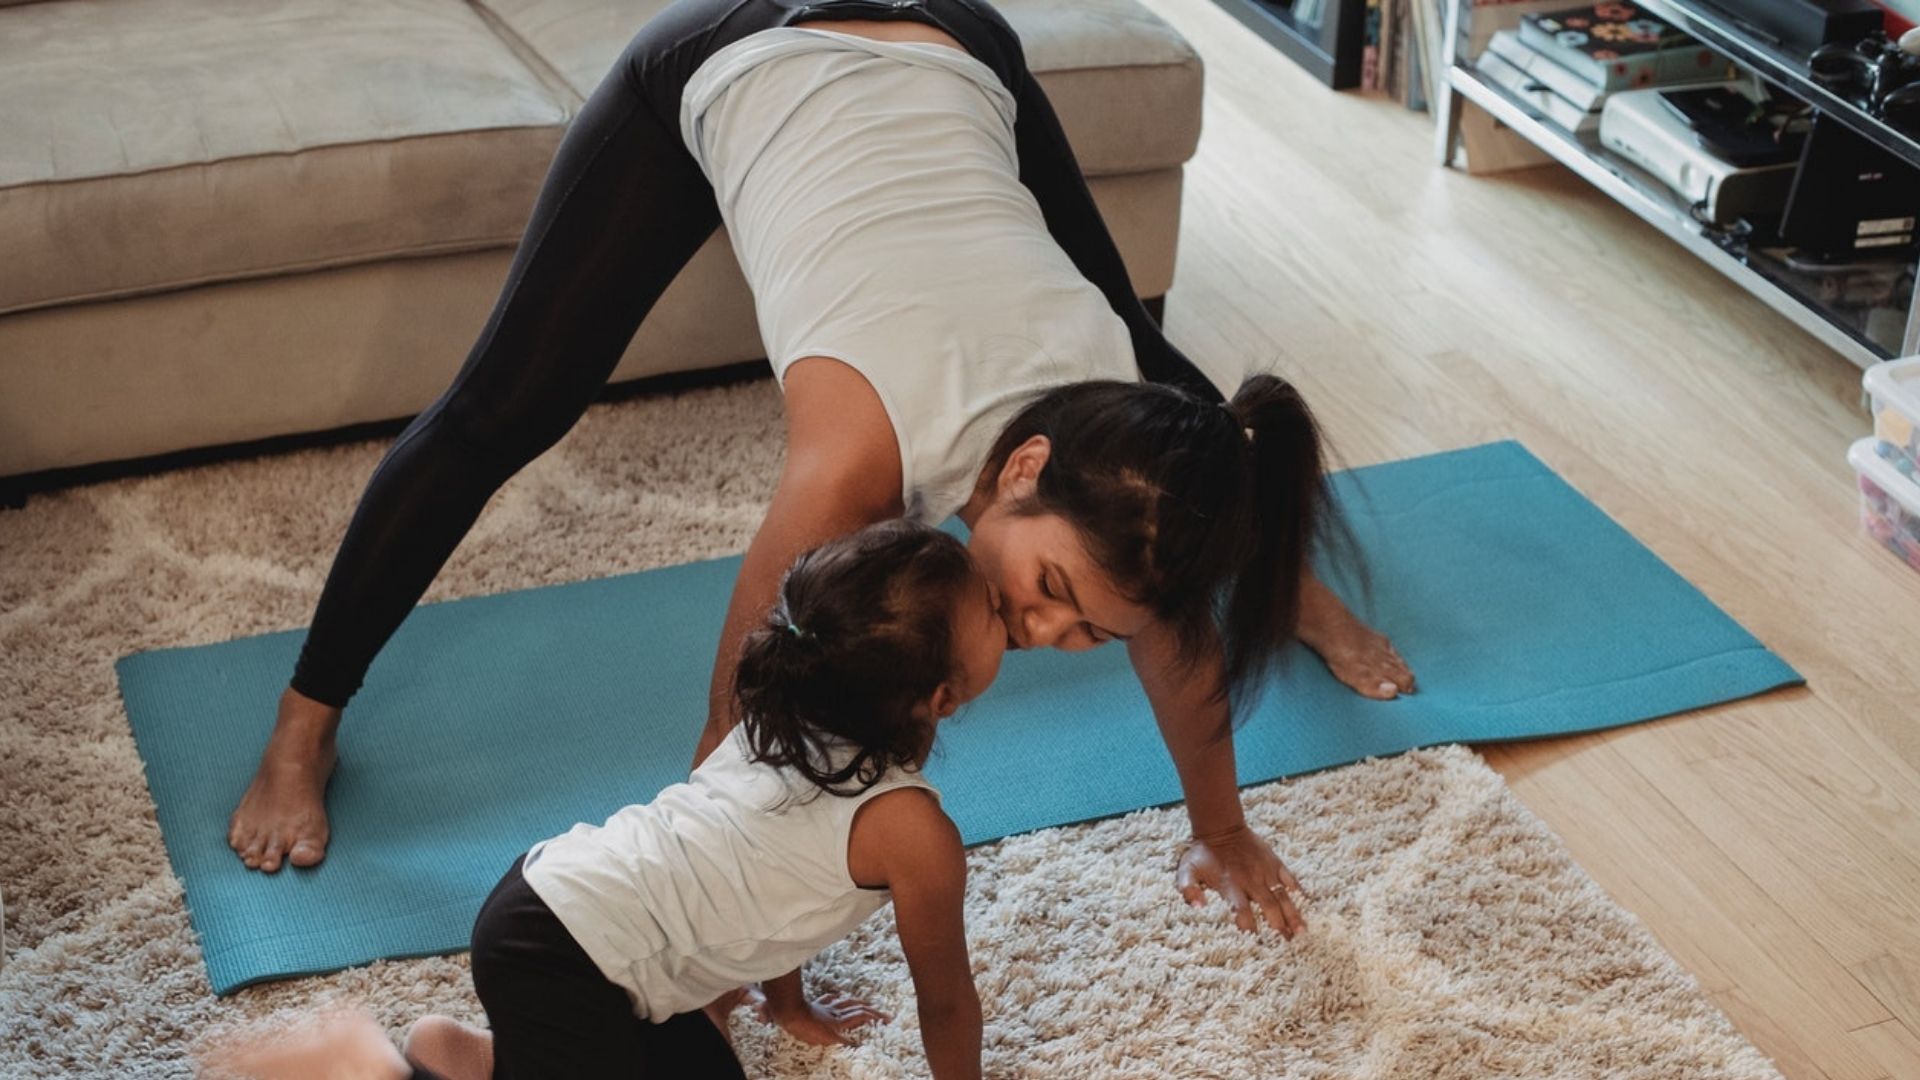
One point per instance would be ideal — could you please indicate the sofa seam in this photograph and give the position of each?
(504, 242)
(523, 50)
(321, 148)
(561, 126)
(337, 262)
(1191, 60)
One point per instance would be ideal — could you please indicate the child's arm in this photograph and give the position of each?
(783, 1002)
(916, 850)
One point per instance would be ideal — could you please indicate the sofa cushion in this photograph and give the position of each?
(153, 145)
(1126, 85)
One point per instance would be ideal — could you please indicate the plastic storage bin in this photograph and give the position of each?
(1895, 388)
(1889, 502)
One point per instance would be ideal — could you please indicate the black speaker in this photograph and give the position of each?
(1850, 199)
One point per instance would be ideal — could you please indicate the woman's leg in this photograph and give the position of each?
(623, 208)
(554, 1014)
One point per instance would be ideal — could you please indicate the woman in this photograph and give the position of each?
(925, 259)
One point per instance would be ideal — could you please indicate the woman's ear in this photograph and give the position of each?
(1021, 474)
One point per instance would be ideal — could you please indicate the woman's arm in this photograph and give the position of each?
(1049, 170)
(842, 472)
(918, 850)
(1225, 855)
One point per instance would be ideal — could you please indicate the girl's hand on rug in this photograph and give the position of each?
(1244, 870)
(825, 1022)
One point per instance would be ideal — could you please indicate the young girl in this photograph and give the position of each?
(618, 949)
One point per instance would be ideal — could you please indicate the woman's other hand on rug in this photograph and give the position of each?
(1248, 875)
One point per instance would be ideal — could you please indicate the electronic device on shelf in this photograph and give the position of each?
(1802, 25)
(1850, 199)
(1875, 73)
(1656, 134)
(1739, 128)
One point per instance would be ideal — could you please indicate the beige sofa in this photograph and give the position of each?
(223, 222)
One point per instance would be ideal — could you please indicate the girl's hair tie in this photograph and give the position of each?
(794, 629)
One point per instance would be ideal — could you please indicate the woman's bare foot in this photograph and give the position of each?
(328, 1047)
(284, 812)
(450, 1048)
(1356, 653)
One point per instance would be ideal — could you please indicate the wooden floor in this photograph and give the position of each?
(1773, 845)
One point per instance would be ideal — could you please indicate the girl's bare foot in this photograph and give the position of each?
(450, 1048)
(332, 1046)
(283, 815)
(1356, 653)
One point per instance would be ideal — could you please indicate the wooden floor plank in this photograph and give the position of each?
(1749, 954)
(1894, 1045)
(1775, 820)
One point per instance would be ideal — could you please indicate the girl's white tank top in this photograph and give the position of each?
(737, 875)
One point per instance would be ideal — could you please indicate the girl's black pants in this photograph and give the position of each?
(623, 208)
(554, 1015)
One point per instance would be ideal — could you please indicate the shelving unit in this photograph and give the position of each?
(1792, 294)
(1326, 43)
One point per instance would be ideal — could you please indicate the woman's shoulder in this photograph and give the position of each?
(841, 440)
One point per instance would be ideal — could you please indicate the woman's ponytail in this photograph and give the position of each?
(1287, 511)
(1203, 512)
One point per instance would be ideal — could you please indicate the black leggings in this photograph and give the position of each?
(623, 208)
(553, 1014)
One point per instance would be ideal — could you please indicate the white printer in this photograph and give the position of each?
(1641, 128)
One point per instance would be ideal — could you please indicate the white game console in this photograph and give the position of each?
(1637, 126)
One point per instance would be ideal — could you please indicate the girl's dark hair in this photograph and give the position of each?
(861, 635)
(1201, 511)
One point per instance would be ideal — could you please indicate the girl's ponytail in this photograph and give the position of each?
(831, 684)
(776, 685)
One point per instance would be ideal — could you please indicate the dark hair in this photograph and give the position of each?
(1201, 511)
(861, 635)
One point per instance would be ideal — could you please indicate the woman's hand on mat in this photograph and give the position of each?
(1247, 874)
(825, 1021)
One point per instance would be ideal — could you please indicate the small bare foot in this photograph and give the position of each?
(329, 1047)
(450, 1048)
(1357, 654)
(283, 815)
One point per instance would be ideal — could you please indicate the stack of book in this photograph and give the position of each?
(1564, 63)
(1400, 48)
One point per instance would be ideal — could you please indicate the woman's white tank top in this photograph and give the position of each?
(871, 190)
(737, 875)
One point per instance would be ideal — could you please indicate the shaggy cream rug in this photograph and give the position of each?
(1451, 934)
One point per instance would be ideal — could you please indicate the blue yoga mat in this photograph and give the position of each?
(493, 722)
